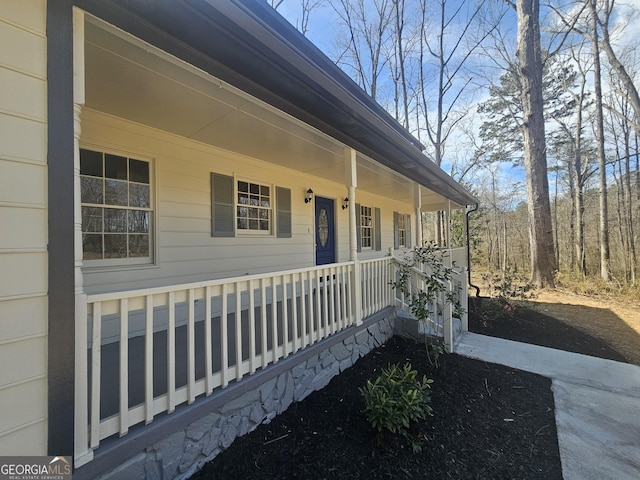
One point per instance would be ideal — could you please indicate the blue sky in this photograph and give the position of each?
(322, 32)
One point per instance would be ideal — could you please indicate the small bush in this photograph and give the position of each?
(509, 285)
(505, 290)
(396, 398)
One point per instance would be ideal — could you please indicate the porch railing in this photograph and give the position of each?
(150, 350)
(440, 322)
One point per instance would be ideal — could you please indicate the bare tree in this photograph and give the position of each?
(594, 25)
(605, 255)
(306, 8)
(440, 105)
(450, 58)
(579, 169)
(399, 14)
(543, 263)
(367, 26)
(621, 131)
(602, 19)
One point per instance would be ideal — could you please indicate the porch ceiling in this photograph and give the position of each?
(129, 79)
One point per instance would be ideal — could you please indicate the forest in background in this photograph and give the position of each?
(458, 75)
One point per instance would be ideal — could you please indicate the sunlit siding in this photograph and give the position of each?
(186, 251)
(23, 228)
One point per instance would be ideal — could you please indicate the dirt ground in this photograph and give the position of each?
(615, 323)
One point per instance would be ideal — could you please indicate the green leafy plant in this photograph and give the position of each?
(505, 290)
(436, 277)
(395, 399)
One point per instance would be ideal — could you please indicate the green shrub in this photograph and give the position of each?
(396, 398)
(509, 285)
(505, 290)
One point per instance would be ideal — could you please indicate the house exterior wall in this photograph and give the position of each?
(185, 251)
(23, 232)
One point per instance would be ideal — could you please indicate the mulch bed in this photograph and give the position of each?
(489, 422)
(531, 326)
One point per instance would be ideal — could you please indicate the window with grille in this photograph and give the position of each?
(402, 230)
(243, 207)
(117, 210)
(366, 227)
(253, 207)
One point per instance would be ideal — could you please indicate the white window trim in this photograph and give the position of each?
(107, 264)
(372, 228)
(241, 232)
(402, 217)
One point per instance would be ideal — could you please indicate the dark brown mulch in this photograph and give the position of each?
(489, 422)
(531, 326)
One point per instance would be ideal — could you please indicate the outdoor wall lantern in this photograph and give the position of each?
(345, 203)
(309, 196)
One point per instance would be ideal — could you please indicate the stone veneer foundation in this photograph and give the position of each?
(194, 435)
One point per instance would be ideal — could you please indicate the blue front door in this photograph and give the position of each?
(325, 231)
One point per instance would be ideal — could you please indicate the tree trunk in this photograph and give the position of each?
(505, 259)
(628, 198)
(605, 260)
(399, 14)
(555, 222)
(579, 190)
(543, 263)
(580, 249)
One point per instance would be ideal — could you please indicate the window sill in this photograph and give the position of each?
(121, 266)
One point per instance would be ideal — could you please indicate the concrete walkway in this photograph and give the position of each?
(597, 404)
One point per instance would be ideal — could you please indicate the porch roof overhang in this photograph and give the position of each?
(248, 45)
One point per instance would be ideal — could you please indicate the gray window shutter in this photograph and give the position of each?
(222, 206)
(396, 236)
(283, 215)
(378, 230)
(358, 228)
(409, 232)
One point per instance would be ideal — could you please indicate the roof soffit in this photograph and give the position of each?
(270, 62)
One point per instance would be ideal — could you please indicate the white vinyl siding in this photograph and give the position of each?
(23, 236)
(185, 249)
(188, 244)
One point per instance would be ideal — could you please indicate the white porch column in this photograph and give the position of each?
(448, 223)
(448, 308)
(82, 452)
(417, 203)
(351, 177)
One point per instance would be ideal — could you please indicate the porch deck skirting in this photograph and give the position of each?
(177, 445)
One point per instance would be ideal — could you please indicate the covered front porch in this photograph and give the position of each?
(196, 298)
(152, 350)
